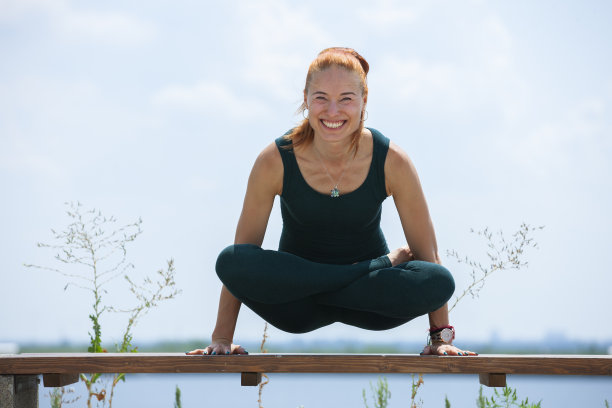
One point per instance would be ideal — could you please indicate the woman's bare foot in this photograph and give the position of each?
(400, 255)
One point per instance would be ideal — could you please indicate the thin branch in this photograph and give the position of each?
(502, 255)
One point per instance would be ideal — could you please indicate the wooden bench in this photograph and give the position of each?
(21, 371)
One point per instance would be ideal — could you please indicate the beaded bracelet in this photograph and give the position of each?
(433, 330)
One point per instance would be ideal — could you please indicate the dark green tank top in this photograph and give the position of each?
(333, 230)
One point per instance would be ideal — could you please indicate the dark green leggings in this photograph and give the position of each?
(298, 296)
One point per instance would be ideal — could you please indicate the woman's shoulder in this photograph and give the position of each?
(270, 158)
(396, 156)
(398, 167)
(267, 172)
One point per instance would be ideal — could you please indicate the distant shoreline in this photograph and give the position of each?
(341, 346)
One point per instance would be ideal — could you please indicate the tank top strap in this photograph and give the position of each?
(285, 149)
(379, 156)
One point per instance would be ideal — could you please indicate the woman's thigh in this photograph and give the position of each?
(299, 316)
(307, 315)
(403, 292)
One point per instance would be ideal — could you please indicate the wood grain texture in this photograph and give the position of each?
(72, 363)
(493, 379)
(250, 379)
(60, 380)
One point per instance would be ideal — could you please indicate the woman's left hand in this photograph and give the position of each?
(445, 349)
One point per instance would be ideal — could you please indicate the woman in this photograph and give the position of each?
(333, 263)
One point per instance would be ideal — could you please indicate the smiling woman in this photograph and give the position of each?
(333, 264)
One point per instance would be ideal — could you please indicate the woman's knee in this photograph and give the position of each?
(444, 283)
(233, 260)
(440, 281)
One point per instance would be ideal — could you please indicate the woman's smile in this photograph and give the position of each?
(333, 124)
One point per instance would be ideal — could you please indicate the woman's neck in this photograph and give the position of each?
(331, 152)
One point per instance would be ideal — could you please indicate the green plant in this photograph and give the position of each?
(506, 398)
(62, 396)
(481, 400)
(380, 393)
(415, 389)
(503, 254)
(90, 257)
(177, 398)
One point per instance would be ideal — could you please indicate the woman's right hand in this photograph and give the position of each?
(219, 347)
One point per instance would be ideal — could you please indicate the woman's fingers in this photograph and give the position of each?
(446, 350)
(197, 352)
(426, 351)
(238, 349)
(219, 349)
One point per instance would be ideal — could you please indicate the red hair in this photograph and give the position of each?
(346, 58)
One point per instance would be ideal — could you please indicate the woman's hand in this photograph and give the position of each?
(220, 347)
(445, 349)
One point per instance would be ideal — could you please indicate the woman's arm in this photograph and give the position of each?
(265, 182)
(403, 184)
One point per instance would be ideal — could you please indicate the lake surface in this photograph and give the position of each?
(333, 390)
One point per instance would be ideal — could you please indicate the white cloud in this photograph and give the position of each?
(115, 28)
(63, 18)
(280, 40)
(419, 83)
(23, 159)
(553, 147)
(210, 98)
(479, 74)
(277, 41)
(383, 14)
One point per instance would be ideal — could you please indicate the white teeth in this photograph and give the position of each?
(333, 125)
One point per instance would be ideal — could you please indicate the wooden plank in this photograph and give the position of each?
(69, 363)
(59, 380)
(250, 379)
(492, 379)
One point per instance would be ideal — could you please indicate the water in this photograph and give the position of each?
(333, 390)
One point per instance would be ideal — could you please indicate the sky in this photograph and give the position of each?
(158, 112)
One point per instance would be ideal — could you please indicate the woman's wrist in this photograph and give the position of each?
(441, 335)
(222, 337)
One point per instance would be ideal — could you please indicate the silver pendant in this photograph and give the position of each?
(335, 192)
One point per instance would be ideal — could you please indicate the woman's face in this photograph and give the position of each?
(335, 103)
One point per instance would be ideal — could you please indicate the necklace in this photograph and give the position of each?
(334, 191)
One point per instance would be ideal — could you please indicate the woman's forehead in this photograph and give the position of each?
(335, 80)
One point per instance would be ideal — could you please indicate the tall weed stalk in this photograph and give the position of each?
(90, 253)
(380, 393)
(265, 378)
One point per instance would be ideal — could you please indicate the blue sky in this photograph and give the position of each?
(159, 111)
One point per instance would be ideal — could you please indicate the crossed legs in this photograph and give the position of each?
(297, 295)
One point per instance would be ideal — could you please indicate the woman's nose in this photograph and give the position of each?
(332, 108)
